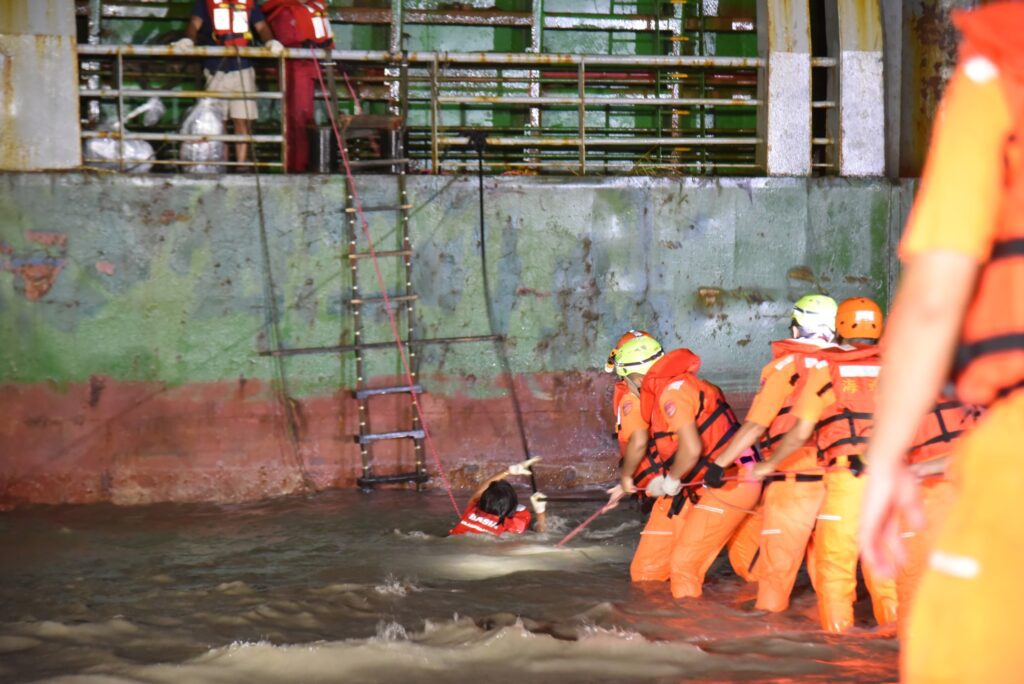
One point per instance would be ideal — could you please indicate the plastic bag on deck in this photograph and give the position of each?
(204, 118)
(106, 153)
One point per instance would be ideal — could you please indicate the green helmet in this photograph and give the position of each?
(815, 315)
(637, 356)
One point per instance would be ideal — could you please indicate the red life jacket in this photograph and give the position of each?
(845, 426)
(715, 420)
(311, 20)
(990, 360)
(941, 427)
(805, 356)
(476, 521)
(230, 21)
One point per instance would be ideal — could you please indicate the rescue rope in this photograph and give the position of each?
(357, 202)
(271, 315)
(579, 528)
(478, 140)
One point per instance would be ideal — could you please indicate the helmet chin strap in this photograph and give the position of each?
(633, 384)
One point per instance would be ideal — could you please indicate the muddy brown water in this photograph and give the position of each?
(347, 587)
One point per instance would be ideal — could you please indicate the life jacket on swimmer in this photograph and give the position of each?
(476, 521)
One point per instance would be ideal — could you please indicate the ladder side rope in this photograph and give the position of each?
(380, 281)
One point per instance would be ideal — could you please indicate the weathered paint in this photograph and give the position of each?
(141, 379)
(39, 126)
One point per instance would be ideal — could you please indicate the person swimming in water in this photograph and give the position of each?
(494, 508)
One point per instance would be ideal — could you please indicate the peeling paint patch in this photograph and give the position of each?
(105, 267)
(48, 239)
(37, 278)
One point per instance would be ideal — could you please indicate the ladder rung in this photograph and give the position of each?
(377, 391)
(380, 300)
(403, 434)
(378, 162)
(392, 253)
(396, 207)
(395, 479)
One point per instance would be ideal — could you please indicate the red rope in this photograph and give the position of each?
(579, 528)
(383, 287)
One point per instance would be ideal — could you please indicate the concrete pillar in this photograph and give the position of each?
(784, 120)
(861, 103)
(39, 94)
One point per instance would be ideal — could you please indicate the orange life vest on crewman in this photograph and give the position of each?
(942, 426)
(845, 426)
(716, 423)
(312, 22)
(230, 22)
(805, 356)
(990, 360)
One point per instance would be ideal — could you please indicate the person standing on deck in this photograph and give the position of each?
(230, 23)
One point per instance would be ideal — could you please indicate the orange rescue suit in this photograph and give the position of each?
(685, 534)
(967, 615)
(840, 396)
(791, 501)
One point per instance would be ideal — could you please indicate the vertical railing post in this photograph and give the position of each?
(582, 85)
(435, 114)
(120, 110)
(282, 84)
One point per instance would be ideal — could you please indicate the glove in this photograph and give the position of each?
(183, 44)
(713, 476)
(539, 502)
(522, 468)
(275, 47)
(663, 485)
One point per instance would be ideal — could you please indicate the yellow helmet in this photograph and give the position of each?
(637, 356)
(815, 315)
(609, 365)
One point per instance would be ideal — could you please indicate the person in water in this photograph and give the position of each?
(494, 508)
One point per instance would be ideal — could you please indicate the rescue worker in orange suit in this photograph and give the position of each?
(494, 507)
(837, 407)
(690, 421)
(300, 24)
(792, 499)
(929, 457)
(230, 23)
(960, 308)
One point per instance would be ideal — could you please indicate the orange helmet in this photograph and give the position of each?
(859, 317)
(609, 365)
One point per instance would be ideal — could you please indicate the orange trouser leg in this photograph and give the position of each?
(706, 527)
(744, 545)
(835, 549)
(937, 496)
(968, 613)
(790, 510)
(651, 559)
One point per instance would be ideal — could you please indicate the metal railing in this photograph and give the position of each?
(565, 113)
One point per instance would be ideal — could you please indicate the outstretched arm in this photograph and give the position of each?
(790, 442)
(745, 437)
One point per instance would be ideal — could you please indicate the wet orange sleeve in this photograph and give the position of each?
(775, 388)
(679, 406)
(962, 184)
(814, 398)
(629, 418)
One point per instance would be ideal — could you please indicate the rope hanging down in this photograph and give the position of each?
(478, 140)
(383, 286)
(271, 314)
